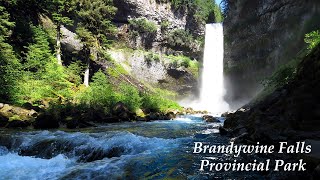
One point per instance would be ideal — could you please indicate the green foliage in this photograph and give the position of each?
(86, 36)
(165, 25)
(99, 95)
(95, 22)
(312, 39)
(60, 10)
(30, 73)
(116, 71)
(180, 61)
(181, 3)
(150, 56)
(180, 38)
(160, 100)
(129, 95)
(285, 73)
(206, 11)
(9, 64)
(42, 77)
(142, 25)
(73, 72)
(39, 53)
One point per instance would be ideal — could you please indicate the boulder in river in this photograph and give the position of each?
(3, 121)
(209, 118)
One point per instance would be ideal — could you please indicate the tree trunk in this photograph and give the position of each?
(59, 45)
(93, 57)
(87, 73)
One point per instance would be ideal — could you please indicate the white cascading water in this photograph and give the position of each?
(212, 86)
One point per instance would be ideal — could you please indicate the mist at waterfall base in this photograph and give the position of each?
(212, 89)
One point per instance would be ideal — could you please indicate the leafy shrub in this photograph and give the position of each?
(99, 95)
(73, 72)
(159, 101)
(165, 25)
(149, 57)
(312, 39)
(180, 38)
(42, 77)
(116, 70)
(206, 11)
(143, 25)
(180, 61)
(129, 95)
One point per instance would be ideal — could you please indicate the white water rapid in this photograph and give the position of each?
(212, 86)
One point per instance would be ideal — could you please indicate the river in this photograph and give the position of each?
(148, 150)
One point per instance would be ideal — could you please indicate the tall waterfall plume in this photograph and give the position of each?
(212, 88)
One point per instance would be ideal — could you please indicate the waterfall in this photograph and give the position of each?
(212, 86)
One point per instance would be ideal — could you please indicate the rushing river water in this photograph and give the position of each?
(148, 150)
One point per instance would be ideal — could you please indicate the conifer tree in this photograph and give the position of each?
(60, 9)
(95, 16)
(9, 64)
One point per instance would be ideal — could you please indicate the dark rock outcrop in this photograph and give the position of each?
(122, 112)
(18, 124)
(260, 35)
(290, 113)
(3, 121)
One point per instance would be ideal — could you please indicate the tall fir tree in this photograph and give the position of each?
(95, 16)
(9, 64)
(59, 10)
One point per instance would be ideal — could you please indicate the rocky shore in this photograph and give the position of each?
(29, 116)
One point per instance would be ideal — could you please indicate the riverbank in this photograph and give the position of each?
(71, 117)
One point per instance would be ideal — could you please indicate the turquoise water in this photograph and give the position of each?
(142, 150)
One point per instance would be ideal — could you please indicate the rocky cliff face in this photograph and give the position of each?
(166, 19)
(260, 35)
(158, 73)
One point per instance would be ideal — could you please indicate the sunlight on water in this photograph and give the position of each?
(212, 85)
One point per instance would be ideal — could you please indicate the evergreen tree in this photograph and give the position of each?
(42, 77)
(59, 10)
(9, 64)
(95, 25)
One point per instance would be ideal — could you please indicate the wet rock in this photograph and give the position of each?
(209, 118)
(18, 124)
(171, 115)
(90, 155)
(119, 108)
(111, 119)
(32, 113)
(3, 121)
(46, 121)
(122, 112)
(240, 139)
(72, 124)
(47, 149)
(223, 131)
(29, 106)
(143, 119)
(316, 172)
